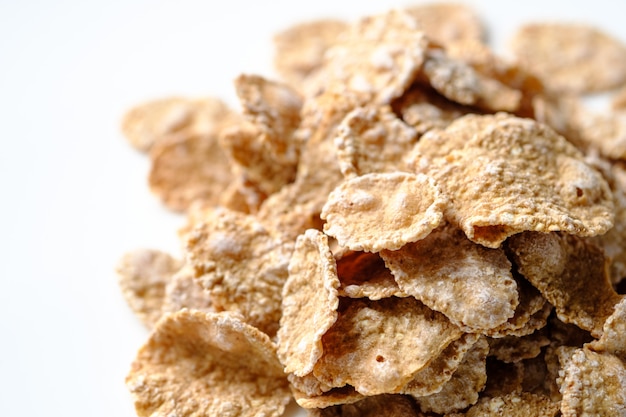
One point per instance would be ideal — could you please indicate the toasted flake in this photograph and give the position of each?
(592, 384)
(364, 274)
(206, 364)
(388, 405)
(571, 57)
(378, 346)
(143, 276)
(432, 378)
(242, 264)
(513, 175)
(603, 131)
(307, 385)
(514, 349)
(309, 305)
(336, 396)
(299, 49)
(521, 404)
(187, 168)
(447, 22)
(460, 83)
(463, 388)
(613, 338)
(473, 287)
(378, 55)
(150, 122)
(373, 139)
(383, 211)
(571, 274)
(184, 291)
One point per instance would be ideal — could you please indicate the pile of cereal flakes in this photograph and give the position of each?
(406, 224)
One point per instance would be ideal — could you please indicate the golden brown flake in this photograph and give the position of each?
(473, 287)
(383, 211)
(335, 396)
(522, 404)
(184, 291)
(592, 384)
(206, 364)
(571, 57)
(447, 22)
(378, 55)
(188, 168)
(378, 346)
(514, 175)
(514, 349)
(570, 273)
(463, 388)
(373, 139)
(309, 303)
(242, 265)
(300, 48)
(613, 338)
(364, 274)
(150, 122)
(143, 277)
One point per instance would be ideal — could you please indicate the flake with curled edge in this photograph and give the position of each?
(571, 274)
(309, 303)
(187, 168)
(388, 405)
(571, 57)
(150, 122)
(335, 396)
(431, 379)
(242, 264)
(521, 404)
(511, 349)
(470, 284)
(447, 22)
(613, 338)
(364, 274)
(143, 277)
(514, 175)
(378, 55)
(299, 49)
(463, 388)
(373, 139)
(378, 346)
(462, 84)
(383, 210)
(205, 364)
(592, 384)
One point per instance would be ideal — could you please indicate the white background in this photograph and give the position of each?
(73, 194)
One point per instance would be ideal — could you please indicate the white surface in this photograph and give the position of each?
(74, 195)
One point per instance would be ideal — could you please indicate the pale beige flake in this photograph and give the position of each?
(378, 346)
(448, 22)
(299, 49)
(387, 405)
(187, 168)
(206, 364)
(431, 379)
(515, 174)
(143, 276)
(571, 57)
(383, 210)
(613, 338)
(470, 284)
(571, 274)
(364, 274)
(592, 384)
(460, 83)
(147, 123)
(309, 303)
(184, 291)
(605, 132)
(242, 264)
(378, 55)
(522, 404)
(463, 388)
(373, 139)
